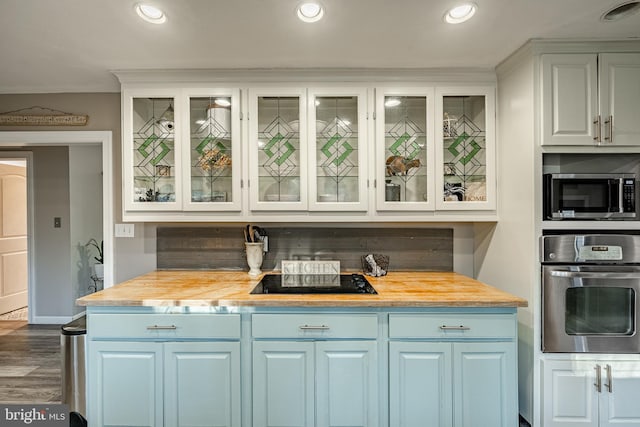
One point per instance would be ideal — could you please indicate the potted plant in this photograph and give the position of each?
(98, 267)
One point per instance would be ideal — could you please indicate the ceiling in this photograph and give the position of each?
(71, 45)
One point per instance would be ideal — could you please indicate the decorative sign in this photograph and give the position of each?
(310, 267)
(33, 116)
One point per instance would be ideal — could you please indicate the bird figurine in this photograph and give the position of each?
(398, 165)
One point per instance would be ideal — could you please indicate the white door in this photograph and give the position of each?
(13, 237)
(619, 396)
(570, 397)
(620, 98)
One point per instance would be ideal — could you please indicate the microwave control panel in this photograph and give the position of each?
(629, 195)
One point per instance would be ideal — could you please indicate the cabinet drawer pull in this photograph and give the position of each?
(609, 125)
(598, 382)
(609, 383)
(598, 129)
(161, 327)
(314, 327)
(454, 328)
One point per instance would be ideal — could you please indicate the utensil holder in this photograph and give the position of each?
(255, 252)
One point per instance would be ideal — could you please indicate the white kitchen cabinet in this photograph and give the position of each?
(328, 377)
(277, 147)
(338, 150)
(181, 150)
(465, 150)
(591, 99)
(590, 393)
(454, 371)
(404, 165)
(145, 371)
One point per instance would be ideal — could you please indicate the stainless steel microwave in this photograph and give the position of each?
(573, 196)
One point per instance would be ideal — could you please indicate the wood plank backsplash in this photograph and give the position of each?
(421, 249)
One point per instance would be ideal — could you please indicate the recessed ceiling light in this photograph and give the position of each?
(621, 11)
(310, 11)
(151, 13)
(461, 13)
(392, 102)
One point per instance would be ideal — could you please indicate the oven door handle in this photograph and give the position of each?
(595, 275)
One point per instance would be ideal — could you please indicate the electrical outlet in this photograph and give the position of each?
(57, 222)
(125, 230)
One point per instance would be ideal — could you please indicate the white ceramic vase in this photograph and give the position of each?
(98, 269)
(254, 257)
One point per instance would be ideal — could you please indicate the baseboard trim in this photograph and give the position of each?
(51, 320)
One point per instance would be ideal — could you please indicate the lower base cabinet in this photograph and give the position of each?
(591, 393)
(166, 384)
(451, 384)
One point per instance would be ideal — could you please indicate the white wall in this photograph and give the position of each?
(85, 216)
(506, 252)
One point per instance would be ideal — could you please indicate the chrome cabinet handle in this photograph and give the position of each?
(609, 383)
(161, 327)
(595, 274)
(598, 382)
(313, 327)
(454, 328)
(598, 137)
(609, 123)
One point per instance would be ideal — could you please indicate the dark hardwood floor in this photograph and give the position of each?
(29, 362)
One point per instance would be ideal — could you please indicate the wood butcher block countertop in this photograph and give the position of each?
(231, 288)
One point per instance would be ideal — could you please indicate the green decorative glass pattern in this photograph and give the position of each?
(153, 150)
(464, 148)
(211, 149)
(405, 156)
(337, 148)
(279, 148)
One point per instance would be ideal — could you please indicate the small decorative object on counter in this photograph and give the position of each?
(254, 257)
(255, 243)
(375, 265)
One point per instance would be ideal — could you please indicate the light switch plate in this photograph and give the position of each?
(125, 230)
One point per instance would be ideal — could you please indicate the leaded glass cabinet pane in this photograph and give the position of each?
(213, 160)
(405, 158)
(278, 152)
(466, 149)
(338, 149)
(153, 150)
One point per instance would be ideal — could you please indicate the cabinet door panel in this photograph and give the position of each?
(420, 384)
(283, 384)
(127, 379)
(485, 384)
(346, 384)
(569, 99)
(570, 399)
(620, 97)
(620, 406)
(202, 384)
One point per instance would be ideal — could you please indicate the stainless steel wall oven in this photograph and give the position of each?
(590, 288)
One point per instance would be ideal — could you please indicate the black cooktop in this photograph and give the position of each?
(313, 284)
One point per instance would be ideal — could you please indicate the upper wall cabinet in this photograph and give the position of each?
(405, 149)
(181, 150)
(151, 162)
(277, 148)
(591, 99)
(465, 154)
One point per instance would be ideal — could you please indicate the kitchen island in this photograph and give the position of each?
(173, 348)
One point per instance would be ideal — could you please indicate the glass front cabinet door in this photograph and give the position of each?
(465, 151)
(404, 149)
(277, 148)
(150, 158)
(337, 149)
(212, 161)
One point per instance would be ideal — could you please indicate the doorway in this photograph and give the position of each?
(37, 279)
(13, 237)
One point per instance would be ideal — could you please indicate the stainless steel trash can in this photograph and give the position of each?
(72, 349)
